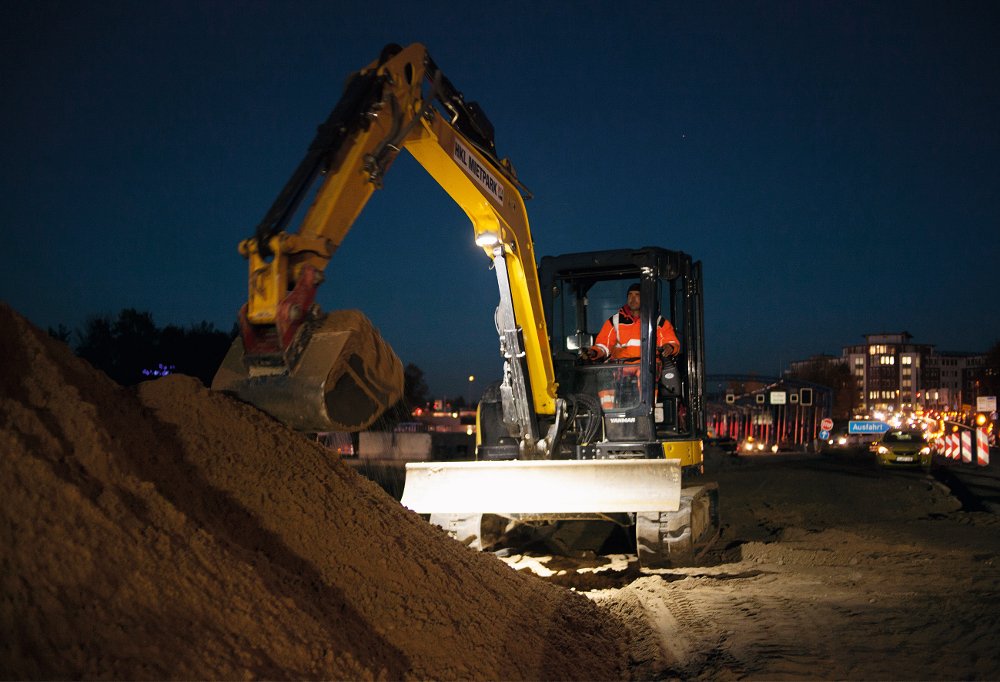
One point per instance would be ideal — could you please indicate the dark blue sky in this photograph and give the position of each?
(835, 165)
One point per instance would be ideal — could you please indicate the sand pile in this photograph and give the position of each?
(173, 532)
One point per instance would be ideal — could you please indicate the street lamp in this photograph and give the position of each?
(471, 401)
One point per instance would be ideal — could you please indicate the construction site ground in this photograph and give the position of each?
(169, 532)
(827, 568)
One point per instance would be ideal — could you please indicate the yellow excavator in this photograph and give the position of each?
(559, 438)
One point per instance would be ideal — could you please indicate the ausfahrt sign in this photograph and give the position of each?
(867, 427)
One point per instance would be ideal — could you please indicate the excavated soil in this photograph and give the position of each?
(173, 532)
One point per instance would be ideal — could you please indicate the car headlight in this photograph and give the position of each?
(882, 450)
(842, 441)
(925, 451)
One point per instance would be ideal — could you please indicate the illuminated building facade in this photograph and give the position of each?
(888, 371)
(892, 373)
(951, 380)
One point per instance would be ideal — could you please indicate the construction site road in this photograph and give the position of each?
(828, 568)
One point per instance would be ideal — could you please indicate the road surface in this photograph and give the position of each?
(828, 568)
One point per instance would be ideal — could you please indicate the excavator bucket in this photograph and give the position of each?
(543, 486)
(342, 377)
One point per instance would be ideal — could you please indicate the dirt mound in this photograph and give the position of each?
(172, 532)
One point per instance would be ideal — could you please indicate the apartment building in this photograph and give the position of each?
(888, 371)
(891, 372)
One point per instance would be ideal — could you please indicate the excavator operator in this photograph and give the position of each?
(619, 337)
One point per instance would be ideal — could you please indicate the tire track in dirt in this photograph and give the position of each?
(826, 570)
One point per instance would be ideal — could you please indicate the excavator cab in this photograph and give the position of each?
(649, 406)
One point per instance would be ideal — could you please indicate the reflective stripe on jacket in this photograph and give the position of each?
(620, 337)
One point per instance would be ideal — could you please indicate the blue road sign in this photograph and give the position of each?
(867, 427)
(823, 435)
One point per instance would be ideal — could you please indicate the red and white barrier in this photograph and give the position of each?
(949, 446)
(960, 446)
(966, 446)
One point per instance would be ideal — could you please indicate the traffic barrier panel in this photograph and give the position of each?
(982, 447)
(966, 447)
(949, 445)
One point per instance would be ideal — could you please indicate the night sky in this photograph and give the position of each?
(834, 165)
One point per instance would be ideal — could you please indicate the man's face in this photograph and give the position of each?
(633, 301)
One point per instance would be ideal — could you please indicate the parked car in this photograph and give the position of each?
(839, 440)
(842, 440)
(724, 443)
(903, 448)
(750, 446)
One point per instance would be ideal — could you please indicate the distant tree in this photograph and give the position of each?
(131, 348)
(415, 390)
(61, 333)
(993, 355)
(121, 347)
(196, 351)
(837, 377)
(991, 372)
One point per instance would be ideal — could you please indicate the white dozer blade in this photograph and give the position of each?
(543, 486)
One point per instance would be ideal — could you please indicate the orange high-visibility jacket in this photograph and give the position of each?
(619, 337)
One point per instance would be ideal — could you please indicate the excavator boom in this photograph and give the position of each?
(291, 360)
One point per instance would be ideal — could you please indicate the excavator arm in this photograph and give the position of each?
(400, 101)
